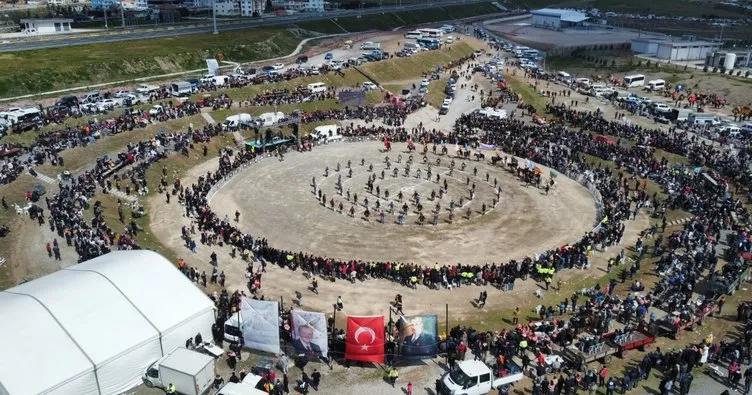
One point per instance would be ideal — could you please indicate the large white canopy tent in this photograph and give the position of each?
(93, 328)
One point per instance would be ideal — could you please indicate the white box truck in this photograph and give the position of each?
(476, 378)
(270, 118)
(191, 372)
(238, 121)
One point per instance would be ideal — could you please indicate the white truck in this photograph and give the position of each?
(370, 45)
(327, 133)
(191, 372)
(270, 118)
(238, 121)
(476, 378)
(146, 89)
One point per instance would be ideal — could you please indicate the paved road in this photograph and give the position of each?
(177, 31)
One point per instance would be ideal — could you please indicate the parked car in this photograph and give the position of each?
(107, 104)
(328, 56)
(121, 93)
(369, 86)
(156, 110)
(278, 66)
(302, 59)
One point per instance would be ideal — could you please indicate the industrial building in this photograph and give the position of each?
(646, 46)
(45, 26)
(686, 50)
(729, 60)
(557, 19)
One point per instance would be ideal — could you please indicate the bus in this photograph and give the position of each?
(431, 33)
(414, 34)
(632, 81)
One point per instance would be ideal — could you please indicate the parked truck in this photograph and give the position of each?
(191, 372)
(477, 378)
(238, 121)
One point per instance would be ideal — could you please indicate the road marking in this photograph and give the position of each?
(208, 118)
(45, 178)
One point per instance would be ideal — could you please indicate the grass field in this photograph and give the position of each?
(399, 69)
(49, 69)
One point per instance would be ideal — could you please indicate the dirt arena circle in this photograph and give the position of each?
(278, 201)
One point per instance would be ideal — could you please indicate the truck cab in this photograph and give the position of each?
(477, 378)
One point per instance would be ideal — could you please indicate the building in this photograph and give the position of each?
(249, 7)
(646, 46)
(46, 26)
(94, 328)
(686, 50)
(301, 6)
(741, 59)
(557, 19)
(227, 8)
(104, 4)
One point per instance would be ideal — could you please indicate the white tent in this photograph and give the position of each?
(96, 326)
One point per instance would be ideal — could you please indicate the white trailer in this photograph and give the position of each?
(191, 372)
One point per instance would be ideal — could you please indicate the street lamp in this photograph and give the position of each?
(105, 15)
(122, 14)
(214, 16)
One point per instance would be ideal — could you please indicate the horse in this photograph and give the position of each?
(479, 155)
(495, 159)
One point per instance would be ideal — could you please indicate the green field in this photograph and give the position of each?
(49, 69)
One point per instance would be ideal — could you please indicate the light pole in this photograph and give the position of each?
(214, 16)
(122, 14)
(105, 16)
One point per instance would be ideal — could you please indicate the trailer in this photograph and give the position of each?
(579, 359)
(639, 339)
(673, 324)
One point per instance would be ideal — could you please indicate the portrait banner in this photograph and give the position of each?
(309, 335)
(260, 325)
(419, 336)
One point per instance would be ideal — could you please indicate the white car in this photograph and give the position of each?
(447, 101)
(156, 110)
(369, 86)
(424, 82)
(278, 66)
(661, 107)
(122, 93)
(314, 70)
(336, 64)
(107, 104)
(135, 99)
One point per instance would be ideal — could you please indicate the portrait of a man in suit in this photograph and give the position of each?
(418, 340)
(304, 342)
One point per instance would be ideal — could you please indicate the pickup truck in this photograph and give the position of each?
(477, 378)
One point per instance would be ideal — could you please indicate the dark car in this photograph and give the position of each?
(67, 101)
(302, 59)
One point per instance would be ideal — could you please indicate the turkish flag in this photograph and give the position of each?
(364, 340)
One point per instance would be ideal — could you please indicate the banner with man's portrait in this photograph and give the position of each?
(309, 335)
(419, 336)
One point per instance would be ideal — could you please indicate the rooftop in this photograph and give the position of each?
(564, 15)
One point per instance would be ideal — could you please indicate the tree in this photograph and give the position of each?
(613, 62)
(647, 63)
(268, 7)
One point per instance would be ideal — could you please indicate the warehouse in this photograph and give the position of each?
(46, 26)
(686, 50)
(94, 328)
(646, 46)
(557, 19)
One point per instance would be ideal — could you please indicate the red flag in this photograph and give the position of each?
(365, 339)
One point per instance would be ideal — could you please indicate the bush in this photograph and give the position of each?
(647, 64)
(715, 69)
(613, 62)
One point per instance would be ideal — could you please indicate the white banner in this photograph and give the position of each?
(260, 325)
(309, 335)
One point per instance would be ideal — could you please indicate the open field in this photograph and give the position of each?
(49, 69)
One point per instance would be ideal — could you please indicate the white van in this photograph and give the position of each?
(327, 133)
(702, 118)
(270, 118)
(317, 87)
(655, 85)
(235, 122)
(182, 88)
(221, 80)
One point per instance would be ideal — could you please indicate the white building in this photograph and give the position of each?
(94, 328)
(227, 8)
(248, 7)
(553, 18)
(46, 26)
(301, 6)
(686, 50)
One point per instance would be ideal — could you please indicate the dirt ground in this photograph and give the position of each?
(289, 215)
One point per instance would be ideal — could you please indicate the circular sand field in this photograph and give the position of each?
(278, 201)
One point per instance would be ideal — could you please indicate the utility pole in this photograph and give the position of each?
(122, 14)
(214, 16)
(105, 16)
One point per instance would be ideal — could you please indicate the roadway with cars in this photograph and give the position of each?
(71, 40)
